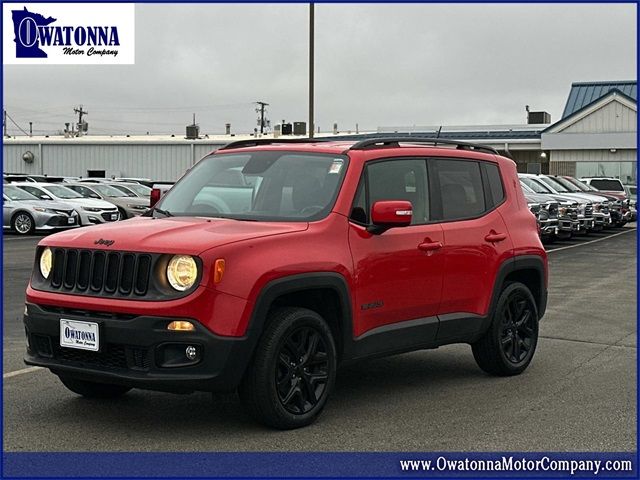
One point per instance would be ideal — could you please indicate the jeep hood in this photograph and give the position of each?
(186, 235)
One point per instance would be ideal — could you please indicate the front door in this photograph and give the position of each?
(398, 273)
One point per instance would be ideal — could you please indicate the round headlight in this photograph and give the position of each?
(46, 260)
(182, 272)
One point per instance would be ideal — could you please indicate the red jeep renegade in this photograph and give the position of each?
(272, 262)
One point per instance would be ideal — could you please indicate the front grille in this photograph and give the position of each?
(107, 216)
(111, 357)
(552, 208)
(96, 272)
(588, 210)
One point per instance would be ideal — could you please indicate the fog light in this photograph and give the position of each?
(181, 326)
(191, 352)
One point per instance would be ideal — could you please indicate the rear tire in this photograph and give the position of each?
(510, 342)
(92, 389)
(293, 370)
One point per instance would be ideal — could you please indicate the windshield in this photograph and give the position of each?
(264, 185)
(566, 184)
(612, 185)
(549, 182)
(62, 192)
(583, 187)
(140, 190)
(534, 185)
(109, 191)
(14, 193)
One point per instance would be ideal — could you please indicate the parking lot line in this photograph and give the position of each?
(20, 372)
(591, 241)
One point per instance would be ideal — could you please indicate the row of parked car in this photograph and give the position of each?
(565, 206)
(41, 203)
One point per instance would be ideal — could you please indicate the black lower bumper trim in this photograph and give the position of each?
(133, 350)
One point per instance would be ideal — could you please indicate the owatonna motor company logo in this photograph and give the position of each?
(70, 33)
(34, 31)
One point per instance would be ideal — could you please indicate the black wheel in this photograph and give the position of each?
(293, 370)
(23, 224)
(91, 389)
(122, 214)
(508, 346)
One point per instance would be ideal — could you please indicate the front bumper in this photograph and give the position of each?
(138, 352)
(51, 221)
(568, 224)
(586, 223)
(549, 227)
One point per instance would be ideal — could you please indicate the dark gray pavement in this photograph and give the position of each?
(578, 394)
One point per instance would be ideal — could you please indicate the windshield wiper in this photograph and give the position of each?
(166, 213)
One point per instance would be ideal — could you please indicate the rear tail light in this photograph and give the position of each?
(155, 196)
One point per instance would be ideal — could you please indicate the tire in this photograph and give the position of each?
(92, 389)
(123, 214)
(496, 352)
(295, 353)
(23, 224)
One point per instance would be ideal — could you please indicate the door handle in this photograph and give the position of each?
(430, 246)
(495, 237)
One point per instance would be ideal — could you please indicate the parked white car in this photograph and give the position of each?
(91, 211)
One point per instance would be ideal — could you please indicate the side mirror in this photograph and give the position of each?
(44, 196)
(389, 214)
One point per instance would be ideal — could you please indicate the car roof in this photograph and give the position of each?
(37, 184)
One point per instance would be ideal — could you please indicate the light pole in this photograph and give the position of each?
(311, 73)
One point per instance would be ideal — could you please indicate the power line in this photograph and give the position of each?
(13, 121)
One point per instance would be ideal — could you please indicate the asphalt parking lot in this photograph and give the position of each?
(579, 394)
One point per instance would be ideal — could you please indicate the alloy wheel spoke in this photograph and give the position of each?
(312, 346)
(516, 347)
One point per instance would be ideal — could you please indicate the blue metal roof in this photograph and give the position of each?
(484, 135)
(584, 93)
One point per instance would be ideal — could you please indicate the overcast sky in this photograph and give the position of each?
(376, 65)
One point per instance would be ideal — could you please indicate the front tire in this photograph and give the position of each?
(23, 224)
(293, 370)
(92, 389)
(508, 346)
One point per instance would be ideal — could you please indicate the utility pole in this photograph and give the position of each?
(261, 111)
(311, 62)
(80, 113)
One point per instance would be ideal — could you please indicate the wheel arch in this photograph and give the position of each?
(529, 270)
(326, 293)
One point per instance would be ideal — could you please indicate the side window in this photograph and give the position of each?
(461, 192)
(33, 191)
(496, 190)
(400, 179)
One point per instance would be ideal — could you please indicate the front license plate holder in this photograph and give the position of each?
(80, 335)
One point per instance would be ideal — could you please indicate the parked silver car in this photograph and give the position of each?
(24, 214)
(91, 211)
(128, 204)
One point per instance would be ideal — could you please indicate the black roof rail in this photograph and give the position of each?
(254, 142)
(396, 141)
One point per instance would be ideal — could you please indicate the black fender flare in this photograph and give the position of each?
(302, 282)
(514, 264)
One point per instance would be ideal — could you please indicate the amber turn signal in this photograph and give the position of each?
(181, 326)
(218, 270)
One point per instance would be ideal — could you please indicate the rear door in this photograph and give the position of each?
(476, 240)
(398, 274)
